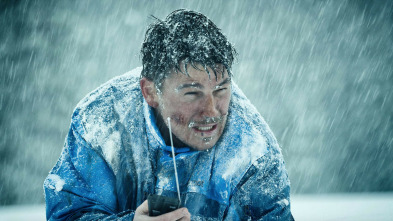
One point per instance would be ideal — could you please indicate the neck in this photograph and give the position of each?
(164, 130)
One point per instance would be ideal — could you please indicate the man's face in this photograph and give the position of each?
(197, 105)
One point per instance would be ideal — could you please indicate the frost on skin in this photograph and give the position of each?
(55, 182)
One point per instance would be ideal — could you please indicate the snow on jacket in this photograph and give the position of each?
(114, 157)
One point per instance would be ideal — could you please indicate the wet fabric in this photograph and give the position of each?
(114, 157)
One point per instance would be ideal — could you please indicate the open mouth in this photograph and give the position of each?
(205, 128)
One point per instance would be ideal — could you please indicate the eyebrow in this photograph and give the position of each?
(189, 85)
(227, 80)
(198, 85)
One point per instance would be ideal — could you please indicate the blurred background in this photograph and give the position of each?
(319, 71)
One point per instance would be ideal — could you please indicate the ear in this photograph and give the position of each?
(149, 92)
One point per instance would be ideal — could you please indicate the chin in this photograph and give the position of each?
(206, 143)
(203, 145)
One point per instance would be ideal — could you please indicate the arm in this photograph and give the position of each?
(263, 192)
(81, 185)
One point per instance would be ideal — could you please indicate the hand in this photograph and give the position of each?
(142, 214)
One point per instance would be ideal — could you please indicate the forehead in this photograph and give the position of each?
(197, 74)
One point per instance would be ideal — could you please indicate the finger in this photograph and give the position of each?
(175, 215)
(143, 208)
(187, 217)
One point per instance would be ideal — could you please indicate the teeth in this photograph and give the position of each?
(205, 128)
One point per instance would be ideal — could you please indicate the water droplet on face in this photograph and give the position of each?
(207, 139)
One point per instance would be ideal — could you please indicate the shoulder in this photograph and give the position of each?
(99, 119)
(248, 116)
(247, 141)
(109, 101)
(115, 90)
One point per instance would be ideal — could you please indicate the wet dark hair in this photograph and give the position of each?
(184, 37)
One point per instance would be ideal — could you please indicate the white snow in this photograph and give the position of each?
(57, 181)
(22, 213)
(285, 202)
(345, 206)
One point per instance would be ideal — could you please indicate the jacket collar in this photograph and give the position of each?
(155, 138)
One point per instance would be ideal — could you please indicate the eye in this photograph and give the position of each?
(221, 90)
(193, 93)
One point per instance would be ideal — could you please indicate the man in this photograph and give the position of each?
(118, 150)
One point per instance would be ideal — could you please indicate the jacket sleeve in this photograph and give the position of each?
(81, 185)
(263, 193)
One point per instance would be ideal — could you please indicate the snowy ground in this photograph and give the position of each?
(348, 207)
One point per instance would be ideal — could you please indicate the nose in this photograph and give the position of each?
(209, 107)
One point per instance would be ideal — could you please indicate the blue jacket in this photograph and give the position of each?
(114, 157)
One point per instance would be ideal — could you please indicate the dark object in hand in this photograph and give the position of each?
(159, 205)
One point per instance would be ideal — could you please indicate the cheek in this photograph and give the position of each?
(179, 118)
(183, 114)
(223, 105)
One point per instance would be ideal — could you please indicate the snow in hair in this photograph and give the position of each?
(184, 37)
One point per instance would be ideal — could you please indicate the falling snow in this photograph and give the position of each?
(320, 73)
